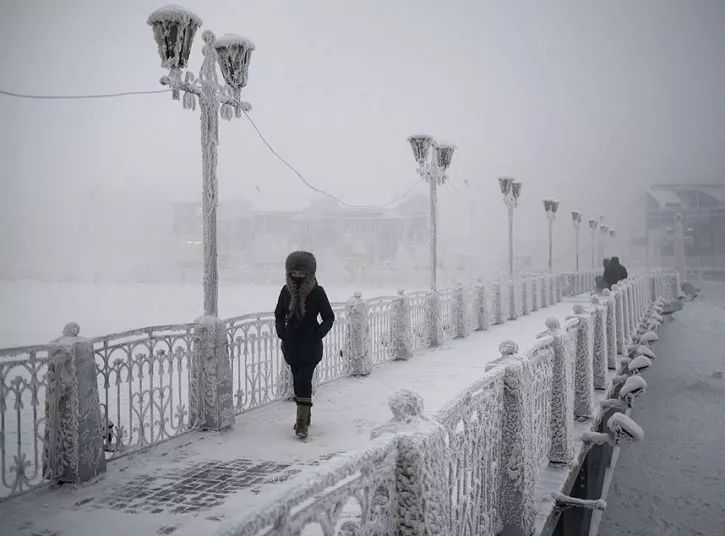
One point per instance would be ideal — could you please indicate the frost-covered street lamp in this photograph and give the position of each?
(576, 220)
(433, 162)
(604, 230)
(551, 207)
(612, 234)
(174, 28)
(593, 225)
(511, 191)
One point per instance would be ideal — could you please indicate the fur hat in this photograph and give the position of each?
(304, 261)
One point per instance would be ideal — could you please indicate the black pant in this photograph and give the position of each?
(302, 378)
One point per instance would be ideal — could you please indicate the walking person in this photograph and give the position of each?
(614, 272)
(301, 301)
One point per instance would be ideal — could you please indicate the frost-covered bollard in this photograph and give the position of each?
(211, 404)
(357, 352)
(611, 322)
(517, 472)
(583, 371)
(498, 302)
(514, 308)
(421, 484)
(525, 294)
(431, 318)
(562, 397)
(74, 423)
(600, 346)
(483, 315)
(535, 294)
(459, 312)
(544, 291)
(619, 318)
(401, 330)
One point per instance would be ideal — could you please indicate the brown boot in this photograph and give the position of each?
(303, 416)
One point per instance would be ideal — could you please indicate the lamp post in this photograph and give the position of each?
(551, 207)
(604, 230)
(593, 225)
(680, 245)
(576, 220)
(433, 161)
(511, 191)
(174, 28)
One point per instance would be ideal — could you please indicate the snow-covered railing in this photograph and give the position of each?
(23, 378)
(144, 384)
(149, 386)
(473, 467)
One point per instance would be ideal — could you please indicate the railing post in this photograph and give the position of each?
(483, 313)
(402, 333)
(525, 292)
(535, 294)
(358, 351)
(211, 399)
(74, 423)
(517, 472)
(498, 302)
(600, 353)
(619, 316)
(514, 309)
(459, 312)
(583, 368)
(432, 318)
(421, 483)
(562, 397)
(613, 337)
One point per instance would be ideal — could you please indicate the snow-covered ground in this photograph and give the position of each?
(673, 482)
(344, 414)
(34, 312)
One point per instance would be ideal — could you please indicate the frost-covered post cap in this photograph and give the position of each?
(508, 348)
(552, 323)
(405, 405)
(579, 309)
(624, 428)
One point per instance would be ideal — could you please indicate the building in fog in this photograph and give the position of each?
(255, 236)
(703, 210)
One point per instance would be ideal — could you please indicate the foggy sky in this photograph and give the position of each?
(587, 102)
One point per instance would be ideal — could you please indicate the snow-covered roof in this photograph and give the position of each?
(174, 13)
(665, 198)
(229, 40)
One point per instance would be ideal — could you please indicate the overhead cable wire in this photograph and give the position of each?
(251, 121)
(79, 97)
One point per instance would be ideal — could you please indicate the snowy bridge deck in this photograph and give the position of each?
(191, 484)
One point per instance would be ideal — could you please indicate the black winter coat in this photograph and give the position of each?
(302, 340)
(614, 273)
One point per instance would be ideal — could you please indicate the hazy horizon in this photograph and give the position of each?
(586, 103)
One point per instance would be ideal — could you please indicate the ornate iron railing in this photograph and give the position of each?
(352, 494)
(473, 443)
(380, 319)
(23, 374)
(259, 374)
(418, 320)
(144, 383)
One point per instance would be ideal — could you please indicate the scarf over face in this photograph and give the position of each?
(299, 289)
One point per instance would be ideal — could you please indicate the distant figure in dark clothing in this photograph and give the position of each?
(300, 303)
(599, 281)
(614, 273)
